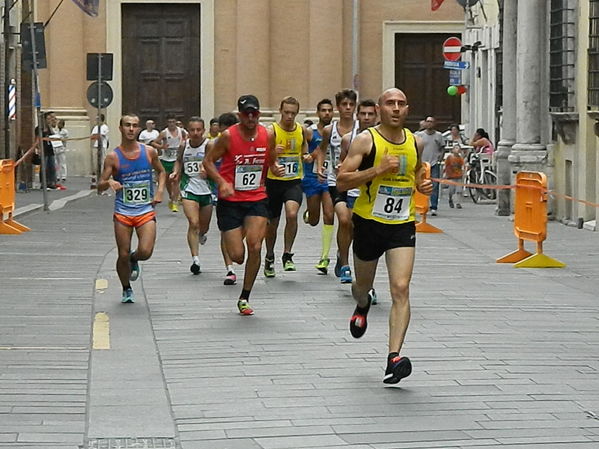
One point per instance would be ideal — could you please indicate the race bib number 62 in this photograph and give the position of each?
(248, 177)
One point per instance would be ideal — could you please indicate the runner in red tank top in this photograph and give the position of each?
(247, 151)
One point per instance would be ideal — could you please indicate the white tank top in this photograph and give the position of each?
(173, 143)
(354, 193)
(335, 151)
(192, 165)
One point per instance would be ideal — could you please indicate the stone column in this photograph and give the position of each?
(253, 50)
(326, 50)
(508, 116)
(289, 52)
(529, 153)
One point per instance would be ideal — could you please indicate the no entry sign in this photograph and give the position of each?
(452, 48)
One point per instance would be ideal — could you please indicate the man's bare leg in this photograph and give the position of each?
(291, 210)
(123, 235)
(255, 230)
(400, 263)
(345, 236)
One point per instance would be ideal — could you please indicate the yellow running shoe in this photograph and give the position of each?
(323, 265)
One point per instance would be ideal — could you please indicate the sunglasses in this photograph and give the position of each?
(247, 113)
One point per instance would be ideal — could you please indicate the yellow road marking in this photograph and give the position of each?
(101, 284)
(101, 331)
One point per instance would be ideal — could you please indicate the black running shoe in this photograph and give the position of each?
(358, 322)
(195, 268)
(397, 368)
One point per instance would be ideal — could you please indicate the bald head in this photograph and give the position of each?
(390, 92)
(393, 108)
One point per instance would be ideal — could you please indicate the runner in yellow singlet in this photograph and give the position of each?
(384, 162)
(285, 191)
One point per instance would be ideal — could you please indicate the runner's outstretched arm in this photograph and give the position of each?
(423, 185)
(220, 147)
(349, 177)
(105, 179)
(158, 167)
(273, 157)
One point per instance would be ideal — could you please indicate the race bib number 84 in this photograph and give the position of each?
(392, 203)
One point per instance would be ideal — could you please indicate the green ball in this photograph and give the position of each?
(452, 90)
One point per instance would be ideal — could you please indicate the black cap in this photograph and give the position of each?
(247, 102)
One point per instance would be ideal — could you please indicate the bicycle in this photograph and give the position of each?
(480, 173)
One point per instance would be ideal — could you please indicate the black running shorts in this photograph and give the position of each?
(231, 214)
(279, 192)
(337, 196)
(372, 238)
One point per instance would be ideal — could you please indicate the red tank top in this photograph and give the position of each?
(245, 165)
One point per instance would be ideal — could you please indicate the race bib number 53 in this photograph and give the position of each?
(248, 177)
(192, 168)
(137, 194)
(392, 203)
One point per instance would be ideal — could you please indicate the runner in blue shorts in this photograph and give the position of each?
(317, 190)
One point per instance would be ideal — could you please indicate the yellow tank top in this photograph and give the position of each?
(389, 198)
(291, 157)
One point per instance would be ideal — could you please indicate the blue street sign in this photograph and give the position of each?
(455, 77)
(456, 65)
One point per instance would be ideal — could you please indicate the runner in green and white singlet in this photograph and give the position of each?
(169, 142)
(195, 190)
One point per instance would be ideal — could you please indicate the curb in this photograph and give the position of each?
(54, 205)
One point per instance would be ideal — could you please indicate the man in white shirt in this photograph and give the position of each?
(104, 133)
(149, 134)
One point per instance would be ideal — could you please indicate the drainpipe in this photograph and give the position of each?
(355, 66)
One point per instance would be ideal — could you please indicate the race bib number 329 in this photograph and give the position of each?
(136, 194)
(392, 203)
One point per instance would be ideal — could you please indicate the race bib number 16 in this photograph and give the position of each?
(291, 165)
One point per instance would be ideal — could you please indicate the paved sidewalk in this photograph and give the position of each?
(503, 357)
(32, 200)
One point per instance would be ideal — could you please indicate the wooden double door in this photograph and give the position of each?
(161, 60)
(420, 74)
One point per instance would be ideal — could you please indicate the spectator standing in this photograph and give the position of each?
(48, 154)
(434, 146)
(149, 134)
(103, 132)
(454, 170)
(454, 136)
(60, 151)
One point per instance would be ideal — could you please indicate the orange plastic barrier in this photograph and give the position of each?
(7, 199)
(421, 202)
(530, 222)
